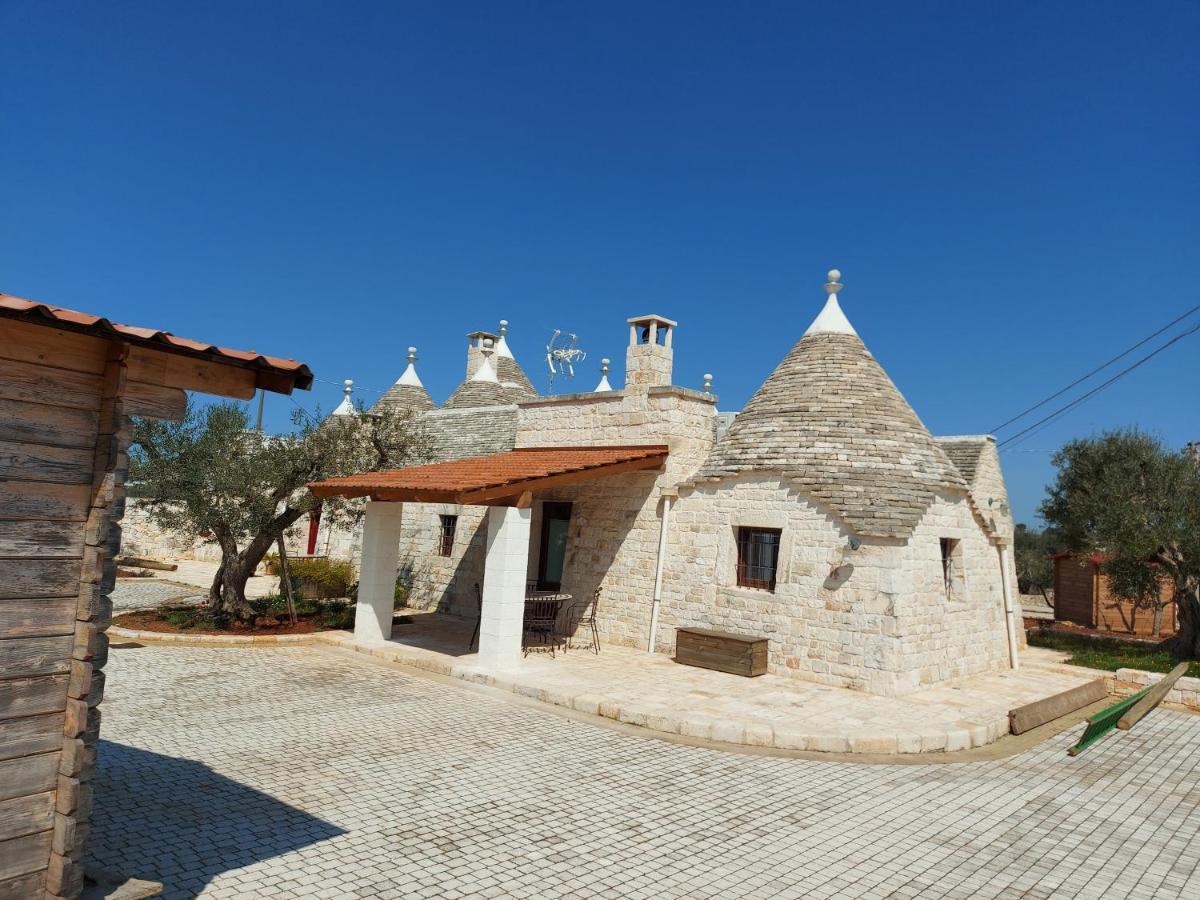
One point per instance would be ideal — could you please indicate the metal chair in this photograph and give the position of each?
(583, 615)
(541, 623)
(478, 616)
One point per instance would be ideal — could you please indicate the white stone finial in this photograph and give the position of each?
(346, 407)
(833, 287)
(502, 344)
(410, 374)
(603, 385)
(708, 379)
(831, 319)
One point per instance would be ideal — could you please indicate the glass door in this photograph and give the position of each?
(556, 517)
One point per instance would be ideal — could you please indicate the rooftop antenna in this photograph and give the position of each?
(562, 352)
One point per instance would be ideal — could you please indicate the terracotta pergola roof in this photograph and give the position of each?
(276, 374)
(492, 479)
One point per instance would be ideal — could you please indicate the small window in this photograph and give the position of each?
(952, 576)
(758, 557)
(446, 535)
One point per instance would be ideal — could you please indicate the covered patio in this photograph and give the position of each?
(504, 482)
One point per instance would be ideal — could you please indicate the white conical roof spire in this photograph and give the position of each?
(346, 407)
(410, 374)
(486, 372)
(502, 344)
(832, 320)
(603, 385)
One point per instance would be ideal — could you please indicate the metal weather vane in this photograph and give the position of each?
(562, 353)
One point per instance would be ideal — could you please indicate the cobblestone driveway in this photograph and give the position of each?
(261, 773)
(137, 593)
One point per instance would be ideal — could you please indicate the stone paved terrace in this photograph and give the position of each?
(770, 710)
(315, 772)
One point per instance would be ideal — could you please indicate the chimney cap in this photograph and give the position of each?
(646, 320)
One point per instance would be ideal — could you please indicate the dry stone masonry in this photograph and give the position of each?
(889, 567)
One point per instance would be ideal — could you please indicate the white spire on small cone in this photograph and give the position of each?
(502, 344)
(707, 383)
(603, 385)
(832, 320)
(486, 372)
(346, 407)
(410, 374)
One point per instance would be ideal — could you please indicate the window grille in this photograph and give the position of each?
(446, 535)
(757, 557)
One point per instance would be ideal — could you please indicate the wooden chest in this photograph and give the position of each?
(738, 654)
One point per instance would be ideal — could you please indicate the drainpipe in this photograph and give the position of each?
(658, 572)
(1010, 621)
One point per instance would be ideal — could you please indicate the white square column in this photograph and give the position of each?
(504, 571)
(377, 572)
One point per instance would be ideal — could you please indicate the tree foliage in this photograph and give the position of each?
(1127, 498)
(211, 475)
(1032, 550)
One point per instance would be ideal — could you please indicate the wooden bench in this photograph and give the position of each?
(737, 654)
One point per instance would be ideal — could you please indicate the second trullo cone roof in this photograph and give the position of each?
(831, 421)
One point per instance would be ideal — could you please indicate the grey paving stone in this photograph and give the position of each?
(300, 772)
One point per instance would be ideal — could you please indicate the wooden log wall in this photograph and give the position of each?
(64, 436)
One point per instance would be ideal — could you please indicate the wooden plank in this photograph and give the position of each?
(191, 373)
(42, 500)
(1154, 696)
(42, 462)
(26, 815)
(32, 734)
(22, 855)
(33, 696)
(28, 775)
(38, 617)
(48, 346)
(33, 537)
(39, 578)
(58, 426)
(24, 657)
(23, 886)
(1031, 715)
(154, 401)
(31, 383)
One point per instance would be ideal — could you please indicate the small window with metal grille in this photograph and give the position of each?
(757, 557)
(446, 535)
(952, 574)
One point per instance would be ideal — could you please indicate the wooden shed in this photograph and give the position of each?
(69, 382)
(1082, 596)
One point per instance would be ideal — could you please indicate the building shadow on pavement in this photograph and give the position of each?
(178, 822)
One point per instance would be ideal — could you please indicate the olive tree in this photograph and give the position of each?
(212, 475)
(1126, 498)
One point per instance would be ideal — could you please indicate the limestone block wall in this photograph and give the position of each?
(944, 636)
(876, 618)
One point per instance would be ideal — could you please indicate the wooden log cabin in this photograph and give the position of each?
(69, 383)
(1083, 596)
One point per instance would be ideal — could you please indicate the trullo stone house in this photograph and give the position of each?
(823, 516)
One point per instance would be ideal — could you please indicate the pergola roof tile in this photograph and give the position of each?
(482, 479)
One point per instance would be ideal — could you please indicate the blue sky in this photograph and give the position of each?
(1011, 190)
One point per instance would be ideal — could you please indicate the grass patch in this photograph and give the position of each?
(1109, 655)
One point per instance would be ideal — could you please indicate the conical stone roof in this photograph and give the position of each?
(831, 421)
(408, 393)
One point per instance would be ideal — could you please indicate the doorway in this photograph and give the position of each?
(556, 517)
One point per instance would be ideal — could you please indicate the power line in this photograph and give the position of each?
(357, 386)
(1080, 399)
(1084, 378)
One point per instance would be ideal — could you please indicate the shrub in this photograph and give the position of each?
(322, 577)
(339, 616)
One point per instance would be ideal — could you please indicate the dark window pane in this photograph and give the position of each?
(446, 538)
(758, 557)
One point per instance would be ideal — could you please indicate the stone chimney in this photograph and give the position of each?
(475, 342)
(648, 358)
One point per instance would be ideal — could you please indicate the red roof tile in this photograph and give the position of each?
(73, 320)
(484, 478)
